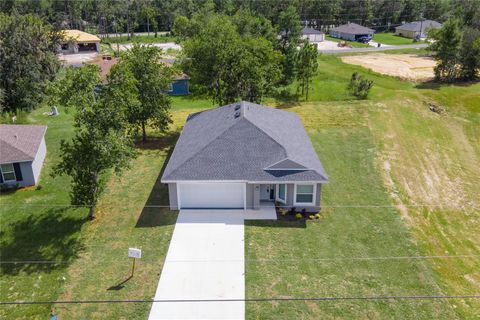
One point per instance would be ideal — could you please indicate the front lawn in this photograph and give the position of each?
(389, 150)
(391, 39)
(66, 257)
(288, 260)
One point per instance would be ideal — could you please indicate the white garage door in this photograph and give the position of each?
(211, 195)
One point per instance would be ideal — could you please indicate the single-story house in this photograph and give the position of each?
(241, 154)
(76, 41)
(416, 29)
(313, 36)
(22, 151)
(351, 32)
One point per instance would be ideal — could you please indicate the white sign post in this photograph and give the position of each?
(135, 254)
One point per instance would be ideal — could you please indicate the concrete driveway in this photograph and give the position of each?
(205, 260)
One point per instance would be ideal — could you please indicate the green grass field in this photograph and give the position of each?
(389, 150)
(391, 39)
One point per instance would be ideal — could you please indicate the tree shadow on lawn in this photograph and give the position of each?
(156, 212)
(165, 142)
(52, 236)
(436, 85)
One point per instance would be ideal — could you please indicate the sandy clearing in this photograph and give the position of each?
(77, 59)
(163, 45)
(406, 66)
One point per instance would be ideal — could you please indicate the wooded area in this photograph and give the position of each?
(110, 16)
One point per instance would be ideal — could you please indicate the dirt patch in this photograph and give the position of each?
(405, 66)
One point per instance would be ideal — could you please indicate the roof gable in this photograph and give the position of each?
(353, 28)
(416, 25)
(308, 30)
(20, 142)
(286, 164)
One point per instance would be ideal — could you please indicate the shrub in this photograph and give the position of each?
(318, 216)
(299, 215)
(359, 87)
(311, 216)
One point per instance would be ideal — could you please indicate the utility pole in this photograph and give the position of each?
(421, 25)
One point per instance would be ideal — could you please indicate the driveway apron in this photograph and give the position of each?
(205, 261)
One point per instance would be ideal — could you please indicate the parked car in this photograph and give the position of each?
(364, 39)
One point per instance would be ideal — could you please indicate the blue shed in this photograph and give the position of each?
(179, 86)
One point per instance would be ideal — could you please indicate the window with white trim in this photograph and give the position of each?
(282, 192)
(8, 172)
(304, 193)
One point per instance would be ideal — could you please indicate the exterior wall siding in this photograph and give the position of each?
(345, 36)
(291, 196)
(314, 38)
(253, 197)
(172, 196)
(250, 195)
(37, 163)
(406, 33)
(27, 174)
(179, 87)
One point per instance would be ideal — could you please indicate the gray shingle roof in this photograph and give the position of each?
(415, 25)
(353, 28)
(216, 145)
(308, 30)
(20, 143)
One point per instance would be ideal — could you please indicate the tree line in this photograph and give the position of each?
(111, 16)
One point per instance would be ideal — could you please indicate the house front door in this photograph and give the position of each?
(267, 192)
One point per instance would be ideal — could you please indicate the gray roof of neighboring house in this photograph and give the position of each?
(217, 145)
(19, 143)
(415, 25)
(353, 28)
(308, 30)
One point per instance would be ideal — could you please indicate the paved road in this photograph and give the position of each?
(205, 260)
(372, 49)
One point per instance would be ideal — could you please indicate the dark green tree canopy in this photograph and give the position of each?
(228, 66)
(101, 142)
(151, 80)
(27, 59)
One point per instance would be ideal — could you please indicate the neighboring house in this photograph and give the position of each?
(351, 32)
(22, 151)
(76, 41)
(417, 29)
(240, 155)
(179, 86)
(313, 36)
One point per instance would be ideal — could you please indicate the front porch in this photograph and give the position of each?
(265, 212)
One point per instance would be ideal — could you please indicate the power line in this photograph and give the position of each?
(377, 258)
(472, 206)
(320, 299)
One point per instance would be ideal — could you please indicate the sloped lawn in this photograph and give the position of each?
(288, 260)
